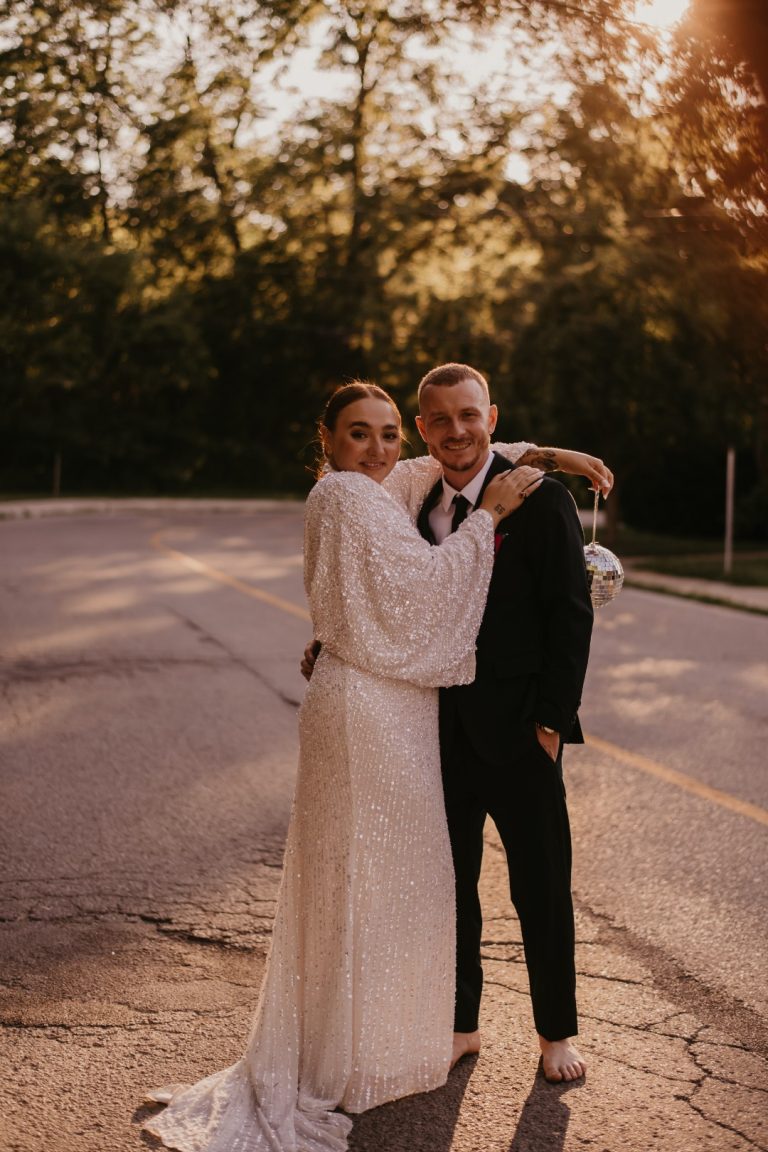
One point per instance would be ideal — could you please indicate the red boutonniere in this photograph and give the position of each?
(497, 539)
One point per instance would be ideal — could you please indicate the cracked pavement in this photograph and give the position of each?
(147, 752)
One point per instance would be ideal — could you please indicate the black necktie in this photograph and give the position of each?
(461, 507)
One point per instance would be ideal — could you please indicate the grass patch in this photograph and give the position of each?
(747, 570)
(631, 542)
(695, 557)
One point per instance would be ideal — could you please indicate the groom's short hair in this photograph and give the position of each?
(446, 375)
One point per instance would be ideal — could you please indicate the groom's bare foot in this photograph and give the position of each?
(464, 1044)
(561, 1060)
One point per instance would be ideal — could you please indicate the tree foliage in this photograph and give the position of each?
(186, 274)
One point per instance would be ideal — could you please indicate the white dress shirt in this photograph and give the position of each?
(441, 516)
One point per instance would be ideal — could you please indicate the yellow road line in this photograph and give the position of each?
(680, 779)
(650, 767)
(232, 581)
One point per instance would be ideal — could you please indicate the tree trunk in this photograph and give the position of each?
(211, 169)
(358, 157)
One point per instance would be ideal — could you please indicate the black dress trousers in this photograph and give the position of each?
(525, 798)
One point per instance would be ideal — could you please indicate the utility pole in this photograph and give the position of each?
(56, 486)
(730, 476)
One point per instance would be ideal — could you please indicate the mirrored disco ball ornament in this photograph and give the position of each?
(604, 570)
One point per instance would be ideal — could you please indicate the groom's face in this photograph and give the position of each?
(456, 422)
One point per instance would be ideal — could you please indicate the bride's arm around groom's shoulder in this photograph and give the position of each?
(563, 460)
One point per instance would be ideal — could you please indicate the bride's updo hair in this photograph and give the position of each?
(345, 395)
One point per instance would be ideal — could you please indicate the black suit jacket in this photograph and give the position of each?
(533, 644)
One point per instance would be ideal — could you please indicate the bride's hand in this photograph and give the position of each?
(507, 491)
(580, 464)
(574, 463)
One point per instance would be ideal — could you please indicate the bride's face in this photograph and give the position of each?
(366, 439)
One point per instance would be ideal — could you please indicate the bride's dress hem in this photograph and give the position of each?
(332, 1126)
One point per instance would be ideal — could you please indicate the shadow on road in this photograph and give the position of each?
(423, 1123)
(544, 1119)
(142, 1113)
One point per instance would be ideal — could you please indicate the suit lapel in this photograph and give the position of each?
(422, 522)
(498, 464)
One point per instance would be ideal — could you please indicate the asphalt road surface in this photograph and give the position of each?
(147, 755)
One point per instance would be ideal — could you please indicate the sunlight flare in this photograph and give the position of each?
(661, 13)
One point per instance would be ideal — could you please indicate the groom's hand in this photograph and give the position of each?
(550, 742)
(311, 653)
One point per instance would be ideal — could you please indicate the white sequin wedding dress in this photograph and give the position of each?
(356, 1007)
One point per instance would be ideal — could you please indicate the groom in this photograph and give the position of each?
(501, 737)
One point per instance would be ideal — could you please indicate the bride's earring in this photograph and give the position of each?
(326, 442)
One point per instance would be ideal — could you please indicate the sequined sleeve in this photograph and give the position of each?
(381, 597)
(410, 480)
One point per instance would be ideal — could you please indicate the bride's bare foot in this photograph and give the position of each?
(464, 1044)
(561, 1060)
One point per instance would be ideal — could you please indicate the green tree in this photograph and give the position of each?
(194, 284)
(641, 337)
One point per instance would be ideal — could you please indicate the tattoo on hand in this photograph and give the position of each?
(500, 509)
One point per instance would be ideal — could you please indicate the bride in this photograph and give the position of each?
(356, 1006)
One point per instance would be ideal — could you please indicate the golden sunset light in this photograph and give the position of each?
(661, 13)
